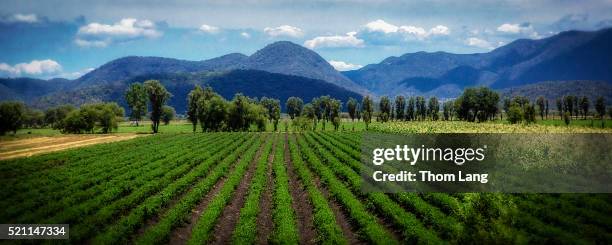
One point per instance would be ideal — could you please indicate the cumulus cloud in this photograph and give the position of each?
(524, 29)
(348, 40)
(76, 74)
(209, 29)
(245, 35)
(20, 18)
(343, 66)
(409, 31)
(480, 43)
(284, 30)
(33, 68)
(100, 35)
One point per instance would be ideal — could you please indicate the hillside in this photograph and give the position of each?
(252, 83)
(553, 90)
(571, 55)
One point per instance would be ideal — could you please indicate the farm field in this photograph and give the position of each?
(218, 188)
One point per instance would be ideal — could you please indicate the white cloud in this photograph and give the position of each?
(93, 43)
(284, 30)
(343, 66)
(101, 35)
(76, 74)
(126, 27)
(27, 18)
(35, 67)
(407, 30)
(209, 29)
(381, 26)
(524, 29)
(19, 18)
(348, 40)
(480, 43)
(440, 30)
(245, 35)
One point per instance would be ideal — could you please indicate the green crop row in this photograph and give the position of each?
(412, 229)
(119, 232)
(369, 230)
(246, 228)
(203, 229)
(285, 228)
(328, 231)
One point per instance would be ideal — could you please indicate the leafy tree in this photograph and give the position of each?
(478, 103)
(243, 112)
(168, 114)
(352, 105)
(433, 108)
(600, 107)
(530, 113)
(310, 114)
(567, 117)
(56, 115)
(91, 116)
(192, 105)
(421, 108)
(294, 107)
(11, 116)
(447, 110)
(515, 113)
(384, 106)
(560, 107)
(609, 112)
(367, 110)
(273, 110)
(335, 108)
(212, 112)
(568, 104)
(400, 107)
(158, 96)
(584, 106)
(541, 106)
(547, 109)
(410, 109)
(136, 98)
(33, 118)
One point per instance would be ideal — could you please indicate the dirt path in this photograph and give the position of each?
(34, 146)
(265, 225)
(226, 224)
(301, 202)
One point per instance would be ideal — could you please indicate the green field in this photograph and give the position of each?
(270, 187)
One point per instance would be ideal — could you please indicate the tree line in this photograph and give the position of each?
(211, 112)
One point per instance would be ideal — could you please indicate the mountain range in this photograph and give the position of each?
(284, 69)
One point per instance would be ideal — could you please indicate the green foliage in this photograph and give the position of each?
(55, 116)
(158, 97)
(168, 114)
(433, 108)
(105, 116)
(294, 107)
(136, 98)
(273, 110)
(515, 113)
(384, 107)
(367, 110)
(33, 118)
(448, 110)
(11, 116)
(352, 106)
(400, 107)
(530, 113)
(283, 215)
(478, 103)
(192, 105)
(541, 106)
(410, 111)
(567, 117)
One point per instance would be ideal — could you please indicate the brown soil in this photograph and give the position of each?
(40, 145)
(301, 202)
(341, 218)
(264, 218)
(229, 218)
(180, 235)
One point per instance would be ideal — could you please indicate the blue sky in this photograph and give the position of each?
(68, 38)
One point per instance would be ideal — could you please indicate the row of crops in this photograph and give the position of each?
(180, 188)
